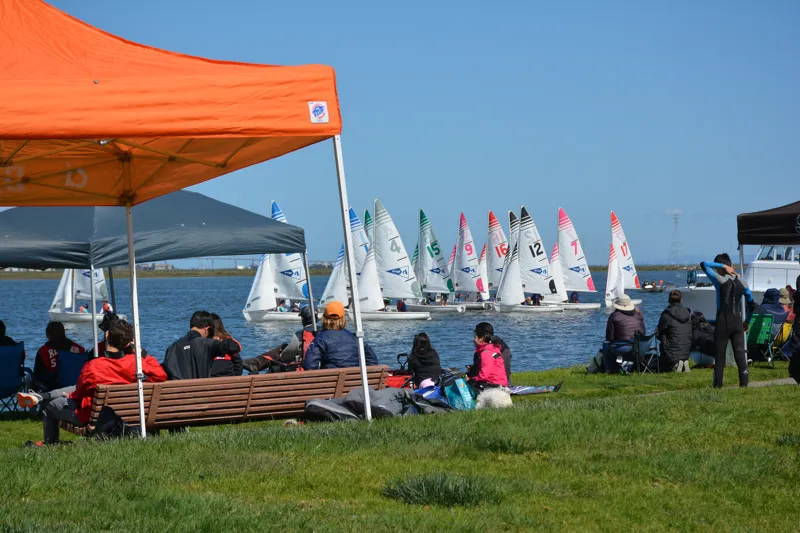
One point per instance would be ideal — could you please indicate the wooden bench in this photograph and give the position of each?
(196, 402)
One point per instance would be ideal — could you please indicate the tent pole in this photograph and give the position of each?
(73, 291)
(135, 305)
(94, 312)
(310, 294)
(741, 264)
(111, 289)
(351, 268)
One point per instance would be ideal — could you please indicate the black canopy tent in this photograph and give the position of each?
(178, 225)
(780, 225)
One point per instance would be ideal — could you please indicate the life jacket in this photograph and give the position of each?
(308, 338)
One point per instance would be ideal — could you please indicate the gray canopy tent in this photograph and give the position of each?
(178, 225)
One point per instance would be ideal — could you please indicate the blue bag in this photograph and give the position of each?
(459, 395)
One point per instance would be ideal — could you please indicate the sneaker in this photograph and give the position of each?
(28, 400)
(686, 367)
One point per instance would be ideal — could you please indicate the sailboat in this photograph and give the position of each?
(336, 289)
(534, 266)
(496, 250)
(515, 281)
(75, 286)
(360, 241)
(396, 277)
(560, 297)
(431, 270)
(279, 276)
(466, 276)
(615, 282)
(624, 259)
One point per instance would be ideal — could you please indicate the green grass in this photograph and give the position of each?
(601, 455)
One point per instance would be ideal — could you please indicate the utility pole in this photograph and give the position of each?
(675, 247)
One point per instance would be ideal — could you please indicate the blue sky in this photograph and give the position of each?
(639, 107)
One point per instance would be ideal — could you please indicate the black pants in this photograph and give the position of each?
(729, 329)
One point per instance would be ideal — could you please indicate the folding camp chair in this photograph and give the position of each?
(780, 344)
(759, 338)
(646, 353)
(11, 375)
(70, 365)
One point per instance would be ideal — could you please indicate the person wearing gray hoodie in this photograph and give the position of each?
(675, 334)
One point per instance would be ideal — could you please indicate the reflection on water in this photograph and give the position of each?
(537, 341)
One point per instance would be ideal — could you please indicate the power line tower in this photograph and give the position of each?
(675, 247)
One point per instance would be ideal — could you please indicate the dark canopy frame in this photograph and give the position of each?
(178, 225)
(780, 225)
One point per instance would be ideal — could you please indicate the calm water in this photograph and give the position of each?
(537, 342)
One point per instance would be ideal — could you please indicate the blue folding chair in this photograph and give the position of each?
(70, 365)
(11, 375)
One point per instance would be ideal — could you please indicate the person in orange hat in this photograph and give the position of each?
(335, 346)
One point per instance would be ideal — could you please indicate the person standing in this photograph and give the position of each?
(675, 334)
(729, 326)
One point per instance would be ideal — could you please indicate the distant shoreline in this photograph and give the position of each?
(229, 272)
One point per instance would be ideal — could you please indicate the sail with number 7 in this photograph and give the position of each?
(574, 268)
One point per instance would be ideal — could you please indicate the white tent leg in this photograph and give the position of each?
(310, 294)
(94, 311)
(351, 268)
(135, 305)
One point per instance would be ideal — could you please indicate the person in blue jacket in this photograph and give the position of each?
(335, 346)
(729, 325)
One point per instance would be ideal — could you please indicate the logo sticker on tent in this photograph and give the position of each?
(318, 112)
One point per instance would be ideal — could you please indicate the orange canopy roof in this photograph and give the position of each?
(88, 118)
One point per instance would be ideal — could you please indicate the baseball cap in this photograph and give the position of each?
(334, 310)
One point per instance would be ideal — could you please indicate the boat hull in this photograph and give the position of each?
(475, 306)
(527, 308)
(270, 316)
(380, 316)
(580, 306)
(71, 317)
(435, 309)
(652, 289)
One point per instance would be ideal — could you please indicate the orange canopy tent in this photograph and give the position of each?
(88, 118)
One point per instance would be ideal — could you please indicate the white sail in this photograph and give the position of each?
(513, 237)
(624, 254)
(533, 264)
(369, 289)
(574, 267)
(482, 269)
(510, 290)
(368, 226)
(360, 241)
(288, 272)
(431, 267)
(336, 289)
(63, 298)
(262, 292)
(558, 279)
(467, 277)
(395, 273)
(615, 282)
(496, 251)
(83, 285)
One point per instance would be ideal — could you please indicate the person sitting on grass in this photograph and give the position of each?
(423, 363)
(46, 375)
(675, 334)
(74, 404)
(488, 370)
(229, 364)
(292, 352)
(335, 346)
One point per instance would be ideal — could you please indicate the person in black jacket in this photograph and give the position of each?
(191, 357)
(423, 363)
(675, 334)
(229, 364)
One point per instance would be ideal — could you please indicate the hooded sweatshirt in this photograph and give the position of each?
(425, 366)
(675, 333)
(771, 304)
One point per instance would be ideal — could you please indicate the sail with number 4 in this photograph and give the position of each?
(431, 266)
(465, 268)
(496, 250)
(533, 264)
(624, 255)
(574, 268)
(395, 274)
(289, 272)
(615, 282)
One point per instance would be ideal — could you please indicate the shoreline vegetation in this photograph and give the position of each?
(645, 452)
(230, 272)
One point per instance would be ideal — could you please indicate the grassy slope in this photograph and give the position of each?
(596, 457)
